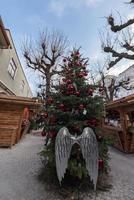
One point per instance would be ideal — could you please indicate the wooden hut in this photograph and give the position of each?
(11, 115)
(119, 123)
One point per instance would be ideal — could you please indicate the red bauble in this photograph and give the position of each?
(64, 60)
(80, 74)
(43, 133)
(90, 91)
(77, 93)
(67, 92)
(100, 164)
(71, 92)
(45, 114)
(69, 81)
(70, 87)
(85, 73)
(64, 80)
(77, 53)
(94, 122)
(49, 100)
(52, 120)
(78, 64)
(61, 106)
(52, 134)
(81, 107)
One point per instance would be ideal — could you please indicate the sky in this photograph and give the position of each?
(79, 20)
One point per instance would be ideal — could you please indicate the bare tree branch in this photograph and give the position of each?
(116, 28)
(45, 55)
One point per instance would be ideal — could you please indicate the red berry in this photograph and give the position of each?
(64, 60)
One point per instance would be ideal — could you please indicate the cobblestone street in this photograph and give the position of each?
(19, 168)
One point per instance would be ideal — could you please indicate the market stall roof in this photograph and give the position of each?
(4, 41)
(125, 101)
(22, 101)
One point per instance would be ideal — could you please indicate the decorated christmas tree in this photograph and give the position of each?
(74, 105)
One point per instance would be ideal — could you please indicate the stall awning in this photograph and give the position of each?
(125, 101)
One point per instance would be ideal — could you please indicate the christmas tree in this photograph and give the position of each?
(74, 105)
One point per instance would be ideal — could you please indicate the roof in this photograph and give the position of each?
(125, 101)
(132, 66)
(4, 41)
(23, 101)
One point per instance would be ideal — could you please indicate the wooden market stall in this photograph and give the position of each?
(11, 116)
(119, 123)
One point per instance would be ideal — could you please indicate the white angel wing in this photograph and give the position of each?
(89, 148)
(63, 146)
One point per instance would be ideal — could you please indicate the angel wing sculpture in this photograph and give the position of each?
(89, 147)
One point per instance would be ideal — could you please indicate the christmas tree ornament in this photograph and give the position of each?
(64, 80)
(84, 112)
(45, 114)
(90, 91)
(78, 64)
(61, 106)
(43, 133)
(50, 100)
(70, 87)
(80, 75)
(77, 93)
(52, 120)
(52, 134)
(81, 106)
(101, 164)
(64, 60)
(77, 53)
(69, 81)
(89, 148)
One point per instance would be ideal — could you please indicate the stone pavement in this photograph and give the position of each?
(122, 171)
(20, 165)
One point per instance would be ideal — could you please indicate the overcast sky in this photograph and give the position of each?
(79, 20)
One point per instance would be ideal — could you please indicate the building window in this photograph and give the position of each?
(12, 68)
(22, 86)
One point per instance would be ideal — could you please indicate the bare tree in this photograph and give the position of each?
(44, 55)
(124, 45)
(108, 84)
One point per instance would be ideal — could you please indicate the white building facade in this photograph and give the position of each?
(12, 77)
(127, 74)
